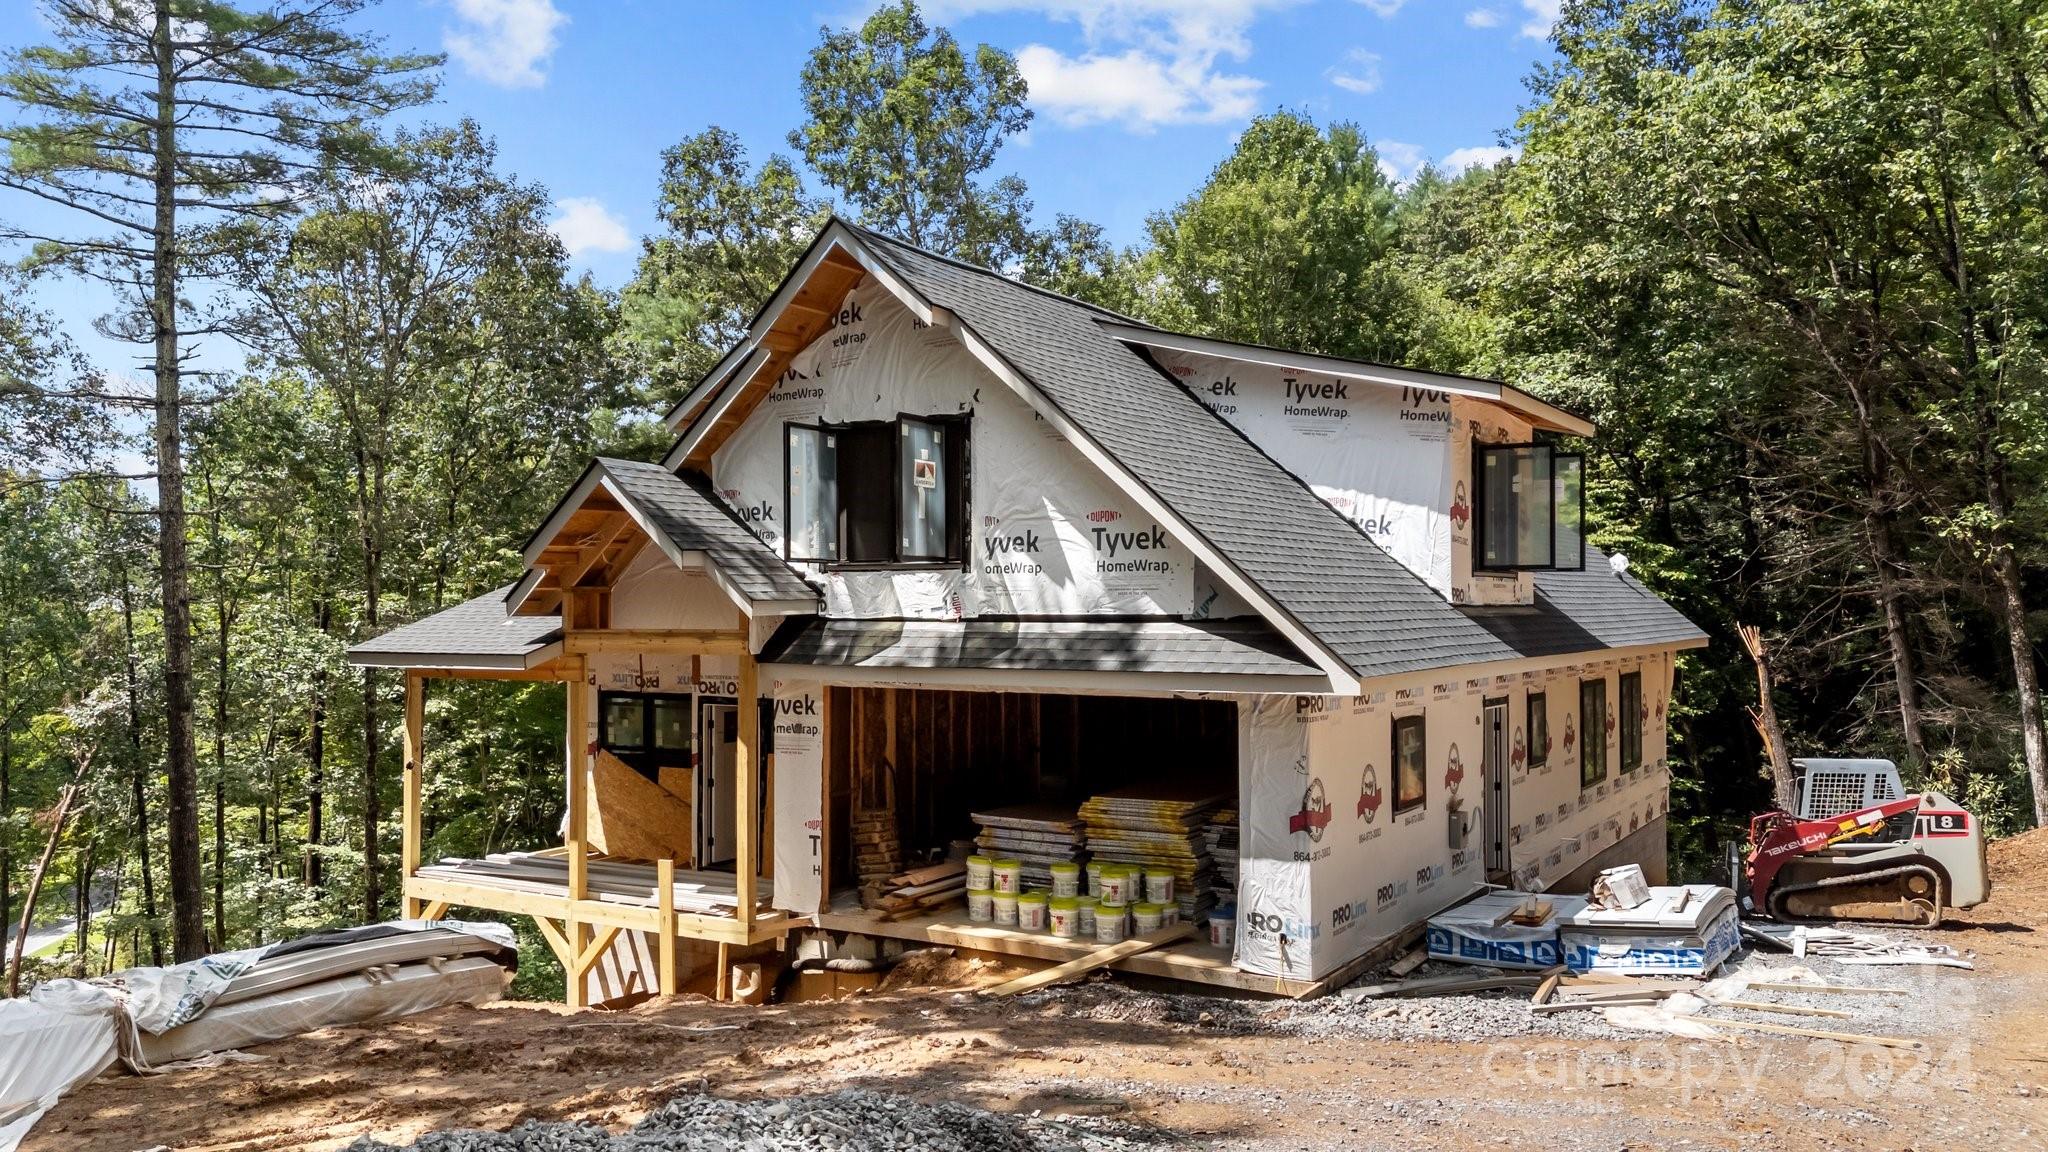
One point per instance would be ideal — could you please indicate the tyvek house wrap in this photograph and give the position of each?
(1048, 533)
(799, 821)
(1376, 453)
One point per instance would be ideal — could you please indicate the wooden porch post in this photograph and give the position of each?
(579, 830)
(409, 836)
(665, 899)
(746, 862)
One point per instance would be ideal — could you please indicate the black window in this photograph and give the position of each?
(1592, 732)
(1539, 729)
(1630, 702)
(1411, 768)
(646, 731)
(1528, 508)
(877, 492)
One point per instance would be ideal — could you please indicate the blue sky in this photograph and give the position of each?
(1135, 100)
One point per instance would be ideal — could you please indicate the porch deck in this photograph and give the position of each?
(1195, 961)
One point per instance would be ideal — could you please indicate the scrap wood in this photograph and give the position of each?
(1408, 963)
(1908, 958)
(1840, 989)
(930, 873)
(1093, 960)
(1788, 1009)
(1620, 1002)
(1442, 986)
(1606, 995)
(1547, 989)
(1816, 1033)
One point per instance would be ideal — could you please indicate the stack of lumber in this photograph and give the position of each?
(612, 881)
(1159, 825)
(1038, 835)
(1219, 835)
(921, 890)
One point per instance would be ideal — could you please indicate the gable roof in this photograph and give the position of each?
(1356, 601)
(473, 634)
(687, 522)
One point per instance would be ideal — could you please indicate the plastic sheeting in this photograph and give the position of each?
(1050, 534)
(799, 819)
(45, 1051)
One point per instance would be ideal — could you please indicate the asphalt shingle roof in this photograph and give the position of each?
(473, 634)
(1368, 610)
(684, 509)
(1238, 647)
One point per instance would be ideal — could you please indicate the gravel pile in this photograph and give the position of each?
(851, 1121)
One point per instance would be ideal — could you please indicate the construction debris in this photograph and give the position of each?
(848, 1120)
(1803, 940)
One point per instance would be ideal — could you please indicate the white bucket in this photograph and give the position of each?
(1066, 879)
(1223, 927)
(1095, 878)
(1007, 876)
(1085, 907)
(1031, 912)
(1158, 886)
(1147, 917)
(1063, 914)
(1109, 924)
(981, 905)
(1116, 885)
(1005, 906)
(979, 870)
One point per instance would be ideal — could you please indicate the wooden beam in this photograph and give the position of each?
(692, 641)
(409, 808)
(592, 554)
(553, 670)
(1108, 954)
(596, 948)
(745, 862)
(665, 893)
(557, 943)
(434, 910)
(578, 841)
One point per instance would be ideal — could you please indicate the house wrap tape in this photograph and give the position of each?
(1327, 868)
(1049, 535)
(799, 819)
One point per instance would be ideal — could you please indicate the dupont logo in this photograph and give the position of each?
(1369, 795)
(1105, 516)
(1454, 770)
(1314, 816)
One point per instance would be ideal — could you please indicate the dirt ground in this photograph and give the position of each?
(1184, 1071)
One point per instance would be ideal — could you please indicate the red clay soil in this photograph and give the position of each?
(1196, 1081)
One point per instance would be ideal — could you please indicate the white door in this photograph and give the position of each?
(717, 784)
(1495, 792)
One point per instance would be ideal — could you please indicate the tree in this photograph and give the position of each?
(152, 122)
(394, 296)
(729, 237)
(902, 122)
(1287, 244)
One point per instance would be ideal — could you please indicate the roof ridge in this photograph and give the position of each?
(968, 265)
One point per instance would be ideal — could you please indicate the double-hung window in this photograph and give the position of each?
(1592, 732)
(1630, 704)
(878, 491)
(1529, 508)
(1539, 729)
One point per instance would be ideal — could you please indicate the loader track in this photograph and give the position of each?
(1904, 895)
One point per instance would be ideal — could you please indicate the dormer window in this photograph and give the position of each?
(1529, 508)
(877, 492)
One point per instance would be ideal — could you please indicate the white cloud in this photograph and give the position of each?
(1143, 63)
(1384, 9)
(504, 42)
(1478, 156)
(1543, 16)
(1359, 73)
(1398, 161)
(1482, 18)
(584, 224)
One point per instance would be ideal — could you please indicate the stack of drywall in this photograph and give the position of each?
(1685, 930)
(1219, 835)
(1503, 929)
(1159, 825)
(1038, 835)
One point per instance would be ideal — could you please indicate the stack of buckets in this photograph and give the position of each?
(1121, 899)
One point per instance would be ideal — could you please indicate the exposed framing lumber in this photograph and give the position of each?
(745, 863)
(1816, 1033)
(665, 891)
(592, 554)
(579, 830)
(409, 817)
(689, 642)
(1099, 958)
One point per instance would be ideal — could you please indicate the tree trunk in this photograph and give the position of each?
(1884, 556)
(316, 760)
(35, 879)
(1784, 779)
(188, 906)
(370, 513)
(220, 727)
(82, 898)
(138, 789)
(2012, 603)
(6, 804)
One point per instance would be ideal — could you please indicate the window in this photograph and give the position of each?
(647, 732)
(1539, 729)
(877, 492)
(1630, 703)
(1592, 732)
(1529, 508)
(1411, 770)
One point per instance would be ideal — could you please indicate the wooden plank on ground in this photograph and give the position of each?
(1839, 989)
(1787, 1009)
(1408, 963)
(1093, 960)
(1817, 1033)
(1443, 986)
